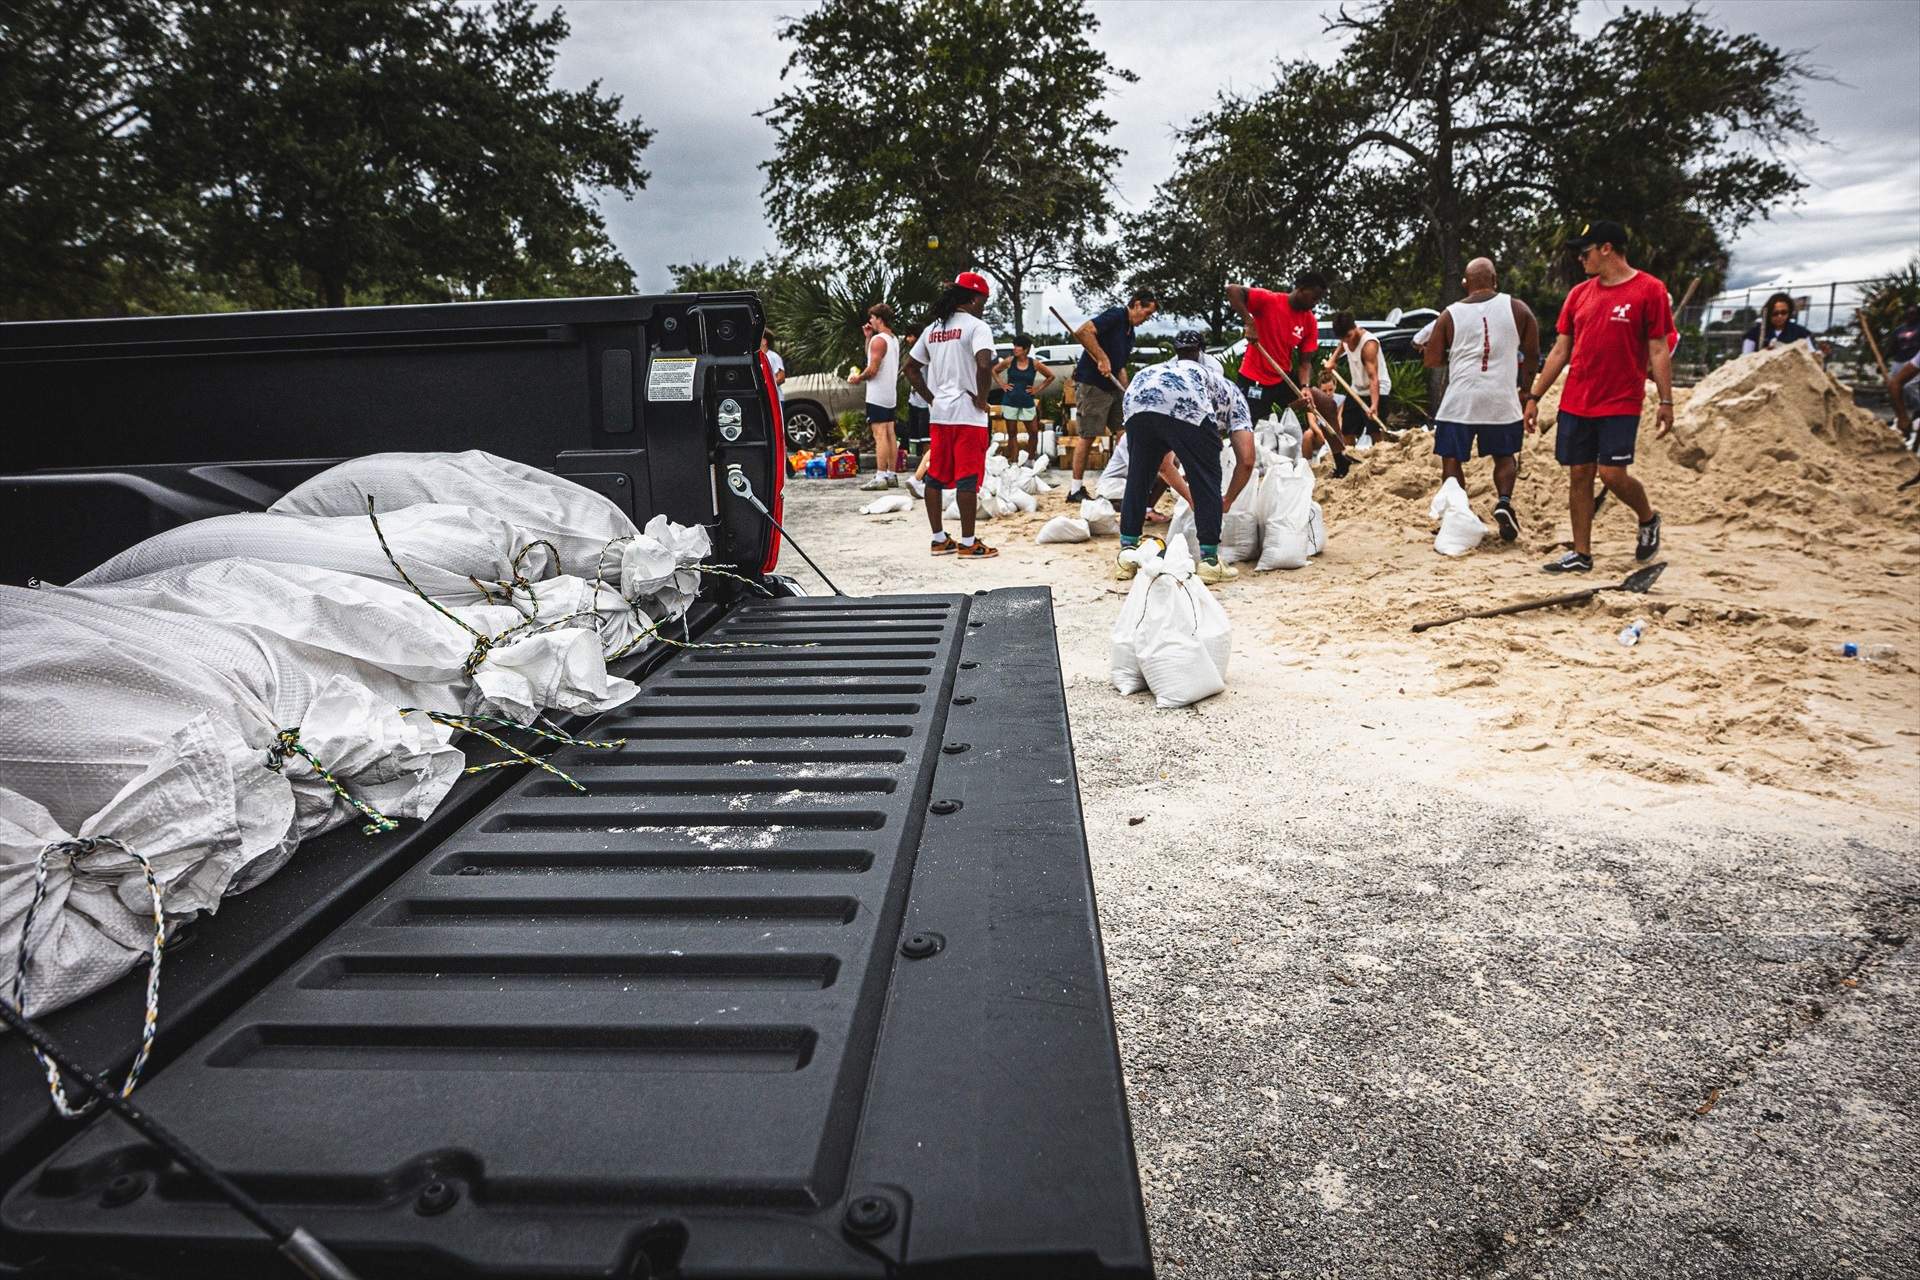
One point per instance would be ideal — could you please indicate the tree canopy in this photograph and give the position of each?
(198, 153)
(1444, 129)
(940, 135)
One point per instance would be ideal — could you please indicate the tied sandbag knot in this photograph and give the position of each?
(519, 581)
(73, 851)
(288, 740)
(470, 723)
(482, 642)
(727, 573)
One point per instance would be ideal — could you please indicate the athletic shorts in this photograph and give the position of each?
(1456, 439)
(1353, 418)
(1608, 441)
(919, 421)
(882, 413)
(1016, 413)
(1099, 410)
(1262, 400)
(958, 459)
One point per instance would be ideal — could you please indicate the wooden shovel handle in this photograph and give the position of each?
(1572, 597)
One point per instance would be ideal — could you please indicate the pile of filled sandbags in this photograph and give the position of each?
(204, 701)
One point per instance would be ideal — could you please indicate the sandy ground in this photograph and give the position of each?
(1503, 950)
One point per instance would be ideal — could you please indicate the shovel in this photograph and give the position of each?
(1639, 580)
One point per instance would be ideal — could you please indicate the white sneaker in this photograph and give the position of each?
(876, 481)
(919, 490)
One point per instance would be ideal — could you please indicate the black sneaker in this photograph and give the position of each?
(1599, 496)
(1572, 562)
(1079, 495)
(1342, 463)
(1509, 523)
(1649, 539)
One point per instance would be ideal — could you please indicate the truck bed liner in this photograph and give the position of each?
(809, 984)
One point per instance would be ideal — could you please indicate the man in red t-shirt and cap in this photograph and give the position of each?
(1614, 328)
(1284, 327)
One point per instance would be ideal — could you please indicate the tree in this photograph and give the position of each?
(393, 150)
(76, 231)
(938, 135)
(722, 277)
(1507, 125)
(1252, 199)
(818, 313)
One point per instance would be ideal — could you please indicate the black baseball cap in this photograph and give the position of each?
(1601, 232)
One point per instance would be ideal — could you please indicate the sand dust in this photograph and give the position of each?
(1785, 535)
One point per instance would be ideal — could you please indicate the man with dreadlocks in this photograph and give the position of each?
(951, 367)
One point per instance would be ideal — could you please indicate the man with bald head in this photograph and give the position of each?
(1489, 343)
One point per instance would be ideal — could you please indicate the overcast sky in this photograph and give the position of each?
(698, 71)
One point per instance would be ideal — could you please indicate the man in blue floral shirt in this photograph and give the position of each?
(1180, 407)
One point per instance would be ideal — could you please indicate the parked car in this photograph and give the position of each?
(813, 401)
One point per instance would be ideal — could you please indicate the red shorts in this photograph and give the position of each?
(958, 459)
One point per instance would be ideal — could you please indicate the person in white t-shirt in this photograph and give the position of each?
(774, 362)
(951, 367)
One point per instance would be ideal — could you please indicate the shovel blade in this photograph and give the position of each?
(1642, 579)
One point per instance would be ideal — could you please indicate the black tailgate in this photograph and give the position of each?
(689, 1020)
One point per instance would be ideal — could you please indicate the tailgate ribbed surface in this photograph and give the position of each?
(665, 991)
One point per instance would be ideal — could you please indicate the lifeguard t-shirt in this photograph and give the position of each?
(948, 350)
(1611, 326)
(1282, 331)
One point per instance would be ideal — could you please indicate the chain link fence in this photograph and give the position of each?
(1711, 331)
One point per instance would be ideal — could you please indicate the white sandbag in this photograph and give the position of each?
(1184, 531)
(575, 519)
(660, 565)
(1112, 484)
(1316, 529)
(442, 548)
(1460, 530)
(1063, 529)
(165, 731)
(887, 505)
(1286, 515)
(1023, 501)
(313, 623)
(1123, 640)
(1182, 638)
(1240, 526)
(1102, 520)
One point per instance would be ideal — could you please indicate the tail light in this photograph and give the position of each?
(778, 418)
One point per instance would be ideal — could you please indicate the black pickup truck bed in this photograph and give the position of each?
(809, 984)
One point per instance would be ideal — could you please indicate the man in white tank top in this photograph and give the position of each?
(882, 376)
(1367, 374)
(1489, 343)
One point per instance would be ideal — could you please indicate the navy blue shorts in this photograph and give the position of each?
(882, 413)
(1607, 441)
(1456, 439)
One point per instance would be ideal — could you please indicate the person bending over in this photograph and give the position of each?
(1176, 407)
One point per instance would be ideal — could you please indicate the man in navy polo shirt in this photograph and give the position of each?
(1101, 375)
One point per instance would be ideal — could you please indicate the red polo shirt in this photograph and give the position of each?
(1282, 331)
(1611, 326)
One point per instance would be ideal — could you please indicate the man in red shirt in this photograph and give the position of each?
(1284, 326)
(1614, 328)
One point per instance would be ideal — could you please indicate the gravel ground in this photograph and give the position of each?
(1385, 1017)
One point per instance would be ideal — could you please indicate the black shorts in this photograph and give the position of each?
(1264, 401)
(881, 413)
(1353, 417)
(1582, 441)
(919, 424)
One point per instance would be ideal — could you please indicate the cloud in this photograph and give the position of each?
(697, 73)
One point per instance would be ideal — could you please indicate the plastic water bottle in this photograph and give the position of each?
(1866, 652)
(1631, 633)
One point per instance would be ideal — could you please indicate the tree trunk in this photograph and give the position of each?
(1015, 282)
(333, 287)
(1445, 198)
